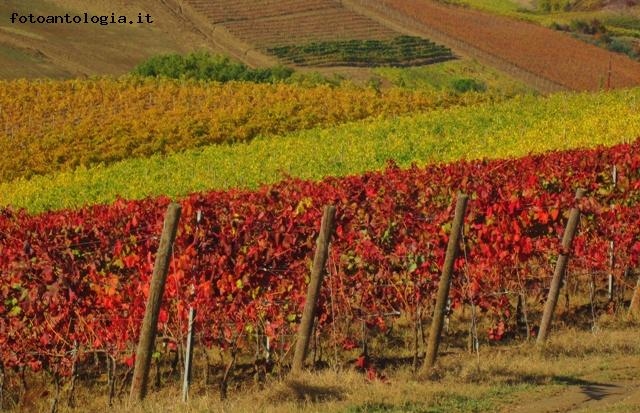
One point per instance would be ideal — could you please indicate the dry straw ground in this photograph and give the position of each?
(578, 371)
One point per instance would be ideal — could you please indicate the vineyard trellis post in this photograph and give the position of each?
(610, 281)
(188, 359)
(111, 379)
(1, 386)
(313, 290)
(561, 266)
(634, 306)
(71, 400)
(610, 284)
(147, 339)
(453, 249)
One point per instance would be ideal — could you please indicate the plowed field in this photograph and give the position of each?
(552, 55)
(267, 23)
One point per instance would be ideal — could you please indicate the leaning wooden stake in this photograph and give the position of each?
(561, 266)
(313, 290)
(71, 400)
(188, 357)
(445, 282)
(150, 322)
(634, 307)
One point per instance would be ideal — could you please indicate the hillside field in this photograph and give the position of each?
(508, 129)
(65, 51)
(569, 64)
(434, 207)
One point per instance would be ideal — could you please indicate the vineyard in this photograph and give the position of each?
(510, 128)
(228, 11)
(296, 31)
(63, 125)
(353, 206)
(571, 63)
(269, 23)
(401, 51)
(75, 282)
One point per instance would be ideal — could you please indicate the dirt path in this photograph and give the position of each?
(220, 37)
(584, 396)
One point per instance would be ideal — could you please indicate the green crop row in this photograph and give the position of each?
(400, 51)
(523, 125)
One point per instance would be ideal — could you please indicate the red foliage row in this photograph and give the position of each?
(82, 276)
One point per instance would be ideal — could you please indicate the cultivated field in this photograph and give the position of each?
(105, 121)
(268, 23)
(554, 56)
(313, 29)
(496, 130)
(432, 239)
(64, 51)
(75, 282)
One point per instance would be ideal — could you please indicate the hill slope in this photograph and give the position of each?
(556, 57)
(268, 23)
(69, 50)
(245, 30)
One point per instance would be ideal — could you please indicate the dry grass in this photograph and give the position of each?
(502, 378)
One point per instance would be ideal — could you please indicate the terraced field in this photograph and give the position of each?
(322, 32)
(401, 51)
(224, 12)
(268, 23)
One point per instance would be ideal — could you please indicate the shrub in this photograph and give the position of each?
(463, 85)
(623, 46)
(205, 66)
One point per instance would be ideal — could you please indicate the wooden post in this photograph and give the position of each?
(147, 339)
(188, 357)
(1, 386)
(111, 378)
(609, 74)
(610, 284)
(614, 179)
(561, 266)
(634, 307)
(313, 290)
(71, 400)
(445, 282)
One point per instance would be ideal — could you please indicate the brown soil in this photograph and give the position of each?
(70, 50)
(553, 56)
(588, 396)
(267, 23)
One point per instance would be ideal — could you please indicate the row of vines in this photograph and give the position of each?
(58, 125)
(400, 51)
(79, 279)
